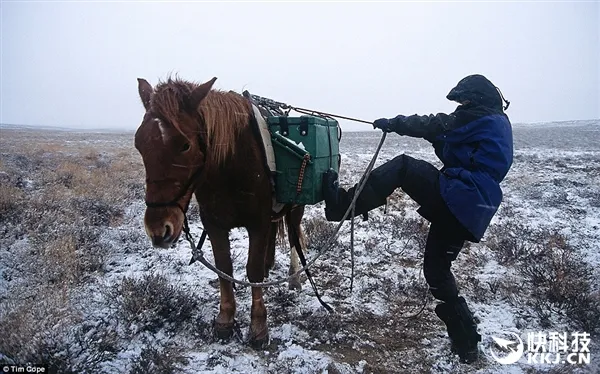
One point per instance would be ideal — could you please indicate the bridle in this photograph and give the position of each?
(184, 191)
(190, 184)
(175, 202)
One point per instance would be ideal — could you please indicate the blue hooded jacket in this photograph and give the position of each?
(476, 157)
(475, 144)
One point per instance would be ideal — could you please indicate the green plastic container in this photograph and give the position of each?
(294, 138)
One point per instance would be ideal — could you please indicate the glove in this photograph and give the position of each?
(383, 124)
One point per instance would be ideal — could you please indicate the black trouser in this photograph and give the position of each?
(441, 249)
(420, 180)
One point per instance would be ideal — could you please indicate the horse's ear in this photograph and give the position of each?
(200, 93)
(145, 90)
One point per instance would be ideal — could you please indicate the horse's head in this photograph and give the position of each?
(173, 150)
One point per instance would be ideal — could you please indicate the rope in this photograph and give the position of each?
(198, 254)
(313, 112)
(352, 248)
(358, 190)
(284, 109)
(422, 308)
(365, 176)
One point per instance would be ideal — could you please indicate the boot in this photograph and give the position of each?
(338, 200)
(461, 327)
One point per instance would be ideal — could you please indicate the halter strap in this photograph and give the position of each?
(182, 193)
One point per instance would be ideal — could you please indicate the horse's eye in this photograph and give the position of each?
(186, 147)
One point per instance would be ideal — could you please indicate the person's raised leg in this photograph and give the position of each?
(381, 183)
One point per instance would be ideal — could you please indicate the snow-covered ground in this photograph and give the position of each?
(554, 184)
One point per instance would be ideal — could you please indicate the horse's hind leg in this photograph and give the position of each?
(224, 322)
(270, 252)
(255, 268)
(295, 234)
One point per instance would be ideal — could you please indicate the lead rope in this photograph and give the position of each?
(352, 214)
(198, 253)
(363, 178)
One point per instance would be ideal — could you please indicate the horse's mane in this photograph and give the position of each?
(225, 115)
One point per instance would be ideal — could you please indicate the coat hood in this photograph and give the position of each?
(479, 91)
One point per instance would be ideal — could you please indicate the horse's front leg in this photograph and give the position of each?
(225, 320)
(255, 268)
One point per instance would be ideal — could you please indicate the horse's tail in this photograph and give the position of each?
(281, 232)
(277, 234)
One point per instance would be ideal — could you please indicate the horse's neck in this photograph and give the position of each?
(245, 160)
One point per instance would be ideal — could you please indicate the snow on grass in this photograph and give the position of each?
(549, 186)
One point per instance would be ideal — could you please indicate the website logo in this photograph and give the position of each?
(507, 351)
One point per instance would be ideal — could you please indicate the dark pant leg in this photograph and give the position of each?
(443, 245)
(421, 181)
(418, 178)
(381, 183)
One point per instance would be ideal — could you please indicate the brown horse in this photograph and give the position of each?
(199, 141)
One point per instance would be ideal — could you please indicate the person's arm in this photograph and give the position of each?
(427, 127)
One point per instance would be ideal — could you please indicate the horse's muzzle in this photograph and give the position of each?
(163, 236)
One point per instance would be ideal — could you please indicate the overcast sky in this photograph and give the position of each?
(76, 64)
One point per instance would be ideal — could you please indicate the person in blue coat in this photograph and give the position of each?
(475, 145)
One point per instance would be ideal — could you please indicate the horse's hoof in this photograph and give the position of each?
(295, 284)
(259, 343)
(223, 331)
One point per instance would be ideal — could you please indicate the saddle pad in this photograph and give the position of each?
(269, 151)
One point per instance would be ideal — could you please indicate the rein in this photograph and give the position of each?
(198, 253)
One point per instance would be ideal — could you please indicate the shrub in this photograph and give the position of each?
(153, 360)
(318, 231)
(96, 212)
(10, 202)
(409, 230)
(151, 302)
(50, 332)
(397, 233)
(560, 277)
(510, 241)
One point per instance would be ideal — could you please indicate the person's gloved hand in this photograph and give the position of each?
(383, 124)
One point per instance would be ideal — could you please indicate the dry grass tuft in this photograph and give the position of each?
(151, 302)
(559, 280)
(48, 330)
(152, 360)
(318, 231)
